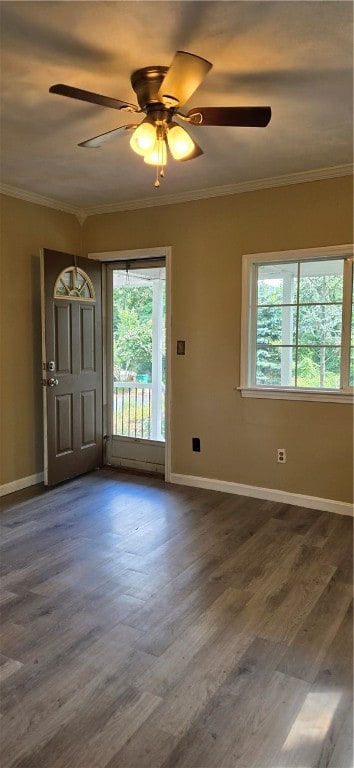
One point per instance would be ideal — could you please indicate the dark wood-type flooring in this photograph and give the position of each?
(146, 625)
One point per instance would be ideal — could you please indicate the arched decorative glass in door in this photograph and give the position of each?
(74, 283)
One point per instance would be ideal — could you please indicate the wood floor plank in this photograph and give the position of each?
(8, 667)
(243, 565)
(298, 519)
(304, 744)
(146, 625)
(170, 668)
(56, 722)
(342, 754)
(288, 613)
(149, 746)
(319, 533)
(246, 717)
(211, 666)
(157, 608)
(180, 616)
(119, 729)
(9, 634)
(7, 597)
(309, 646)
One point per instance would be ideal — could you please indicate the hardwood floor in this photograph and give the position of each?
(146, 625)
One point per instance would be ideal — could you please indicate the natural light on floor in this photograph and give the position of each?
(309, 731)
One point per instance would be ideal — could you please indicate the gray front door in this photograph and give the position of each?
(72, 365)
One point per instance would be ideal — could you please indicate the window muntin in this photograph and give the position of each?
(74, 283)
(297, 321)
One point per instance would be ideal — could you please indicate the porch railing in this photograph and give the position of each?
(132, 411)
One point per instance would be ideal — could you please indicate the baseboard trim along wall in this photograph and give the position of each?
(268, 494)
(23, 482)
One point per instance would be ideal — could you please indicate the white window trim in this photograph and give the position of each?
(249, 261)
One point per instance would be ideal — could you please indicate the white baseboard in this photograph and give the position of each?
(268, 494)
(23, 482)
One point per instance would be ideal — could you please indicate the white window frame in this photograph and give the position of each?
(248, 324)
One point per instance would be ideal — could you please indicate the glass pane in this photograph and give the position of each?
(277, 283)
(139, 353)
(276, 366)
(269, 325)
(85, 292)
(67, 278)
(320, 325)
(132, 332)
(268, 366)
(351, 370)
(318, 367)
(276, 325)
(60, 289)
(79, 279)
(321, 281)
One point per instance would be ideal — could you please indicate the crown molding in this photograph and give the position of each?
(317, 174)
(48, 202)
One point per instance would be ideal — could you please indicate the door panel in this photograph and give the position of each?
(63, 423)
(63, 338)
(72, 366)
(87, 338)
(88, 420)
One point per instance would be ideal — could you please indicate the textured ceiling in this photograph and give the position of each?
(294, 56)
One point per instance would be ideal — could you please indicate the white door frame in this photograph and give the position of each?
(139, 253)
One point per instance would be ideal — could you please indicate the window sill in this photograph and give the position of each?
(324, 396)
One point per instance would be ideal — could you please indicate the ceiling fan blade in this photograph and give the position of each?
(97, 141)
(93, 98)
(253, 117)
(183, 77)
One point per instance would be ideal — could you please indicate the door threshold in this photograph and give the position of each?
(131, 471)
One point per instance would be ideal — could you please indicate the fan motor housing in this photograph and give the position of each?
(146, 84)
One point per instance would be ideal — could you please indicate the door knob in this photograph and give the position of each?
(52, 382)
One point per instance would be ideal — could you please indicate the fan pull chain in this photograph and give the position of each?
(159, 172)
(160, 160)
(157, 183)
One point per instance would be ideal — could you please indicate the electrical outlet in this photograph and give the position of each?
(281, 455)
(181, 347)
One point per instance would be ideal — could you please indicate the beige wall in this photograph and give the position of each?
(25, 228)
(208, 237)
(239, 436)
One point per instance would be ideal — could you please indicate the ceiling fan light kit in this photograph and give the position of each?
(160, 92)
(143, 138)
(151, 141)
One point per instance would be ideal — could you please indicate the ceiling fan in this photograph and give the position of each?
(161, 91)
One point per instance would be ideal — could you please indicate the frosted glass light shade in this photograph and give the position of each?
(180, 142)
(143, 138)
(158, 156)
